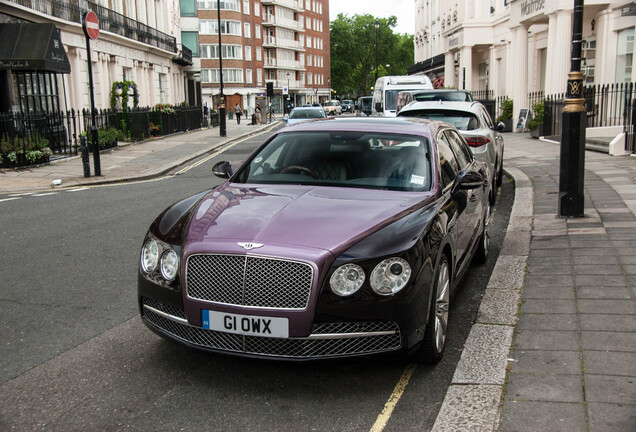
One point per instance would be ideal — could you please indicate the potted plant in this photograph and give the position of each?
(535, 124)
(506, 115)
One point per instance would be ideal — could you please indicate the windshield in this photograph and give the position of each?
(462, 120)
(456, 96)
(342, 159)
(330, 104)
(306, 113)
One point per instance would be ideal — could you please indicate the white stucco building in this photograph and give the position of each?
(514, 47)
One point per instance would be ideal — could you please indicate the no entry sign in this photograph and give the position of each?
(91, 25)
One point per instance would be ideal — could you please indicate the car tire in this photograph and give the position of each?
(432, 348)
(481, 255)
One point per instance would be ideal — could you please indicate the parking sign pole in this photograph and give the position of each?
(91, 30)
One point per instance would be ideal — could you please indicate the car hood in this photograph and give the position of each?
(326, 218)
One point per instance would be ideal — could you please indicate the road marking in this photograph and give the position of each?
(385, 415)
(21, 194)
(10, 199)
(213, 155)
(45, 194)
(78, 190)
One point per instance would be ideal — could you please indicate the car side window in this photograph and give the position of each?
(447, 161)
(461, 150)
(487, 118)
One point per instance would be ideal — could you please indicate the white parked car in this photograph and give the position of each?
(333, 107)
(474, 123)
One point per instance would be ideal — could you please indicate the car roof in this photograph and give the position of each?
(401, 125)
(446, 105)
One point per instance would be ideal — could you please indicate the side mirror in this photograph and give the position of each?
(285, 119)
(468, 179)
(378, 107)
(223, 170)
(500, 127)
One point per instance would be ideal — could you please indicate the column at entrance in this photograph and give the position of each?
(520, 69)
(558, 55)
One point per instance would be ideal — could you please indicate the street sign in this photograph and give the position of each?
(91, 25)
(285, 90)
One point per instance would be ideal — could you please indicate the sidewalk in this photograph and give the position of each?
(554, 345)
(128, 161)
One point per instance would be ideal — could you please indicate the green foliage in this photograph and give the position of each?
(107, 136)
(165, 108)
(121, 90)
(506, 110)
(353, 48)
(538, 114)
(33, 149)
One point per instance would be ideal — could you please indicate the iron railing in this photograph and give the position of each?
(109, 20)
(21, 134)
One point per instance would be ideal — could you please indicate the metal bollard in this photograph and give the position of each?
(85, 160)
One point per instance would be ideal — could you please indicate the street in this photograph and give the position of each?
(74, 354)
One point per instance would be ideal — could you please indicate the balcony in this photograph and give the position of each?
(272, 42)
(296, 5)
(272, 63)
(109, 20)
(273, 20)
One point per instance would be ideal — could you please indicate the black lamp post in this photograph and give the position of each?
(222, 131)
(572, 167)
(377, 26)
(287, 107)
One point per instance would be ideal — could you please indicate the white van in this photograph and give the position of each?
(385, 92)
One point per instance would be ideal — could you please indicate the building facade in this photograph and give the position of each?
(515, 47)
(136, 43)
(285, 42)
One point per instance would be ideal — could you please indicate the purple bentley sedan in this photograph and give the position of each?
(336, 238)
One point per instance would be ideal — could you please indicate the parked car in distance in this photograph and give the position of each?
(347, 105)
(335, 238)
(300, 114)
(474, 123)
(333, 107)
(386, 89)
(365, 105)
(449, 95)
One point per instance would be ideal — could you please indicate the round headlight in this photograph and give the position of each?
(169, 265)
(149, 256)
(347, 279)
(390, 276)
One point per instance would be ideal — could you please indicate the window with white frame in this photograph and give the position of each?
(259, 55)
(257, 31)
(309, 60)
(229, 75)
(310, 78)
(308, 38)
(247, 30)
(232, 5)
(248, 76)
(228, 27)
(308, 22)
(259, 76)
(248, 53)
(246, 7)
(257, 9)
(211, 51)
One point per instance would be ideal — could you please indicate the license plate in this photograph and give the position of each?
(251, 325)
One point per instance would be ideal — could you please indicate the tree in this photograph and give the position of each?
(353, 51)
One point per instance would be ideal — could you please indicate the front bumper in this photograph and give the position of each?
(327, 340)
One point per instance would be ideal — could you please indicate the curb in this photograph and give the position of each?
(473, 399)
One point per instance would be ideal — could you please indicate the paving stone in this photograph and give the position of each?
(556, 242)
(533, 280)
(609, 341)
(601, 322)
(548, 306)
(541, 416)
(548, 388)
(546, 340)
(551, 252)
(485, 355)
(549, 292)
(611, 417)
(592, 259)
(627, 259)
(608, 307)
(554, 260)
(610, 389)
(550, 269)
(547, 362)
(610, 363)
(612, 280)
(547, 322)
(601, 292)
(601, 269)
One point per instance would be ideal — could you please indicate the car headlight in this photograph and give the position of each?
(390, 276)
(347, 279)
(169, 265)
(149, 256)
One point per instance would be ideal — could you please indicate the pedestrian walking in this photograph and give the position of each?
(239, 112)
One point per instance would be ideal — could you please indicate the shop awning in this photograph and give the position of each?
(32, 47)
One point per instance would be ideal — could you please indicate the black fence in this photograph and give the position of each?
(605, 105)
(32, 138)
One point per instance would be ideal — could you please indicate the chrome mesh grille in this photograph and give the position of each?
(249, 281)
(357, 344)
